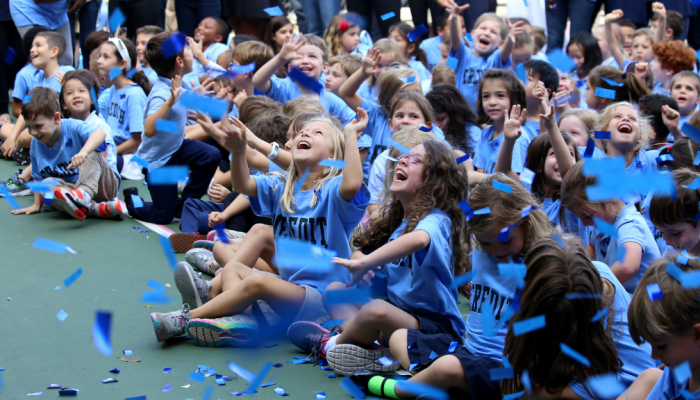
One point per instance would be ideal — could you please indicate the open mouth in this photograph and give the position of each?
(400, 176)
(305, 69)
(303, 145)
(624, 128)
(681, 98)
(484, 42)
(78, 103)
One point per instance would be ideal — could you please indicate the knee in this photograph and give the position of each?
(213, 155)
(333, 286)
(398, 340)
(448, 367)
(256, 283)
(262, 233)
(375, 311)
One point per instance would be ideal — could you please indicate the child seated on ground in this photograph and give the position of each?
(211, 35)
(143, 35)
(65, 149)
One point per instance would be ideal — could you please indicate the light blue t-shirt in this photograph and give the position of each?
(431, 46)
(534, 126)
(471, 68)
(473, 135)
(498, 291)
(103, 100)
(597, 153)
(329, 223)
(40, 79)
(423, 281)
(418, 66)
(150, 74)
(24, 81)
(125, 112)
(158, 148)
(108, 146)
(283, 90)
(368, 92)
(573, 224)
(27, 12)
(644, 162)
(51, 162)
(658, 89)
(631, 228)
(668, 388)
(212, 53)
(488, 149)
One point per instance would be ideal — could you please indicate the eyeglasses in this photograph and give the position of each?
(411, 158)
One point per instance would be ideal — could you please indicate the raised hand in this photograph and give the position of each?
(175, 89)
(614, 16)
(205, 88)
(369, 64)
(514, 29)
(541, 93)
(288, 52)
(549, 117)
(511, 127)
(234, 139)
(641, 69)
(196, 48)
(454, 9)
(670, 117)
(658, 8)
(356, 127)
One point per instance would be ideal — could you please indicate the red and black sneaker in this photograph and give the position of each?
(75, 203)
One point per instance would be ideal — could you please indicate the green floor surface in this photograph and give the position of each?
(36, 349)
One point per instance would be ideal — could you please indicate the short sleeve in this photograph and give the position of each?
(373, 111)
(137, 102)
(154, 104)
(519, 155)
(462, 55)
(82, 129)
(350, 212)
(631, 231)
(20, 90)
(337, 108)
(431, 225)
(264, 204)
(279, 89)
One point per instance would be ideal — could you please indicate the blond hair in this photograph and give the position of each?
(607, 115)
(301, 105)
(647, 33)
(493, 17)
(588, 118)
(292, 175)
(443, 74)
(349, 63)
(387, 46)
(573, 194)
(390, 84)
(333, 33)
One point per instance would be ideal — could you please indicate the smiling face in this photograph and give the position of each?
(642, 49)
(565, 82)
(408, 175)
(624, 129)
(107, 62)
(335, 78)
(487, 37)
(682, 236)
(407, 114)
(310, 61)
(685, 91)
(551, 169)
(207, 32)
(350, 39)
(489, 243)
(44, 128)
(573, 127)
(284, 33)
(41, 53)
(576, 53)
(313, 144)
(76, 97)
(495, 98)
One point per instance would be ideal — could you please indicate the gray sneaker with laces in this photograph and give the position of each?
(171, 324)
(192, 287)
(202, 260)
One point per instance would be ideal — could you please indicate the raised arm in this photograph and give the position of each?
(658, 8)
(288, 52)
(235, 142)
(455, 23)
(283, 159)
(561, 150)
(348, 90)
(671, 119)
(613, 44)
(149, 124)
(513, 30)
(352, 172)
(511, 133)
(97, 137)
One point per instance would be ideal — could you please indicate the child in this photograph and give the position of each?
(580, 126)
(170, 149)
(555, 272)
(419, 241)
(633, 234)
(342, 36)
(490, 32)
(499, 91)
(685, 89)
(389, 52)
(651, 106)
(333, 202)
(671, 57)
(454, 117)
(628, 29)
(583, 48)
(668, 25)
(65, 149)
(339, 70)
(127, 95)
(522, 50)
(542, 82)
(143, 35)
(669, 325)
(441, 75)
(631, 91)
(615, 40)
(280, 30)
(412, 52)
(309, 54)
(25, 77)
(431, 46)
(212, 33)
(643, 42)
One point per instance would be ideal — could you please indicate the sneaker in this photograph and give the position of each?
(171, 324)
(127, 196)
(75, 203)
(235, 331)
(192, 287)
(202, 260)
(16, 185)
(348, 358)
(21, 156)
(204, 244)
(183, 242)
(107, 209)
(308, 336)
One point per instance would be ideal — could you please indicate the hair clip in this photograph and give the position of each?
(343, 26)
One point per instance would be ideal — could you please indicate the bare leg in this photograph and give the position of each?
(26, 174)
(258, 243)
(374, 318)
(6, 129)
(25, 139)
(340, 311)
(446, 372)
(223, 253)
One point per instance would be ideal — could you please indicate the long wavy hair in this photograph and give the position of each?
(553, 272)
(444, 185)
(447, 99)
(333, 33)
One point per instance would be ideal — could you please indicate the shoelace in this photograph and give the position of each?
(179, 320)
(317, 351)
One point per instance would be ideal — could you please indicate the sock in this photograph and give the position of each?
(382, 386)
(208, 285)
(330, 343)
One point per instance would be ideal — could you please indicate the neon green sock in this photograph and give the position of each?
(382, 386)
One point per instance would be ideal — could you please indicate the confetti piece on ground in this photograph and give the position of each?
(417, 33)
(352, 388)
(62, 315)
(50, 245)
(57, 288)
(54, 386)
(114, 370)
(10, 199)
(574, 354)
(267, 346)
(167, 388)
(116, 19)
(340, 164)
(71, 279)
(101, 332)
(110, 380)
(529, 325)
(196, 377)
(242, 372)
(258, 378)
(280, 391)
(384, 17)
(266, 384)
(273, 11)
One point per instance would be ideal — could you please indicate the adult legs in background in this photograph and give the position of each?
(301, 18)
(581, 14)
(139, 13)
(190, 13)
(365, 8)
(327, 10)
(313, 16)
(9, 38)
(249, 26)
(87, 16)
(474, 11)
(419, 12)
(556, 24)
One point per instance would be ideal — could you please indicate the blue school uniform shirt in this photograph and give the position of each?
(51, 162)
(612, 63)
(473, 134)
(488, 149)
(51, 15)
(368, 92)
(283, 90)
(103, 100)
(431, 46)
(212, 53)
(108, 147)
(329, 224)
(422, 282)
(668, 388)
(158, 148)
(534, 126)
(40, 79)
(597, 153)
(418, 66)
(658, 89)
(573, 224)
(631, 228)
(491, 288)
(150, 74)
(125, 112)
(644, 162)
(24, 81)
(470, 69)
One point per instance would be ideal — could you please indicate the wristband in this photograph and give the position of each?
(274, 151)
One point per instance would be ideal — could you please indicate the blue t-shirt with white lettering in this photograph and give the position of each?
(423, 281)
(24, 81)
(631, 228)
(329, 224)
(488, 149)
(158, 148)
(52, 82)
(125, 112)
(668, 388)
(470, 69)
(431, 46)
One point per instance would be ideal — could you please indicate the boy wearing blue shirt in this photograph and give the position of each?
(542, 80)
(671, 324)
(309, 54)
(162, 149)
(211, 33)
(143, 35)
(488, 33)
(66, 149)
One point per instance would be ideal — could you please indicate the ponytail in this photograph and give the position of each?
(632, 88)
(422, 57)
(635, 87)
(140, 79)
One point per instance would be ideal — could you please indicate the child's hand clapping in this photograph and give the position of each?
(288, 52)
(511, 127)
(356, 127)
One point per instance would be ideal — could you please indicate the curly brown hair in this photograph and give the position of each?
(675, 56)
(444, 185)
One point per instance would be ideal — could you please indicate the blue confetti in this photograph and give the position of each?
(43, 186)
(526, 211)
(243, 69)
(113, 74)
(529, 325)
(561, 60)
(410, 79)
(110, 380)
(168, 250)
(131, 73)
(601, 134)
(574, 354)
(467, 209)
(168, 175)
(691, 131)
(686, 394)
(420, 389)
(664, 158)
(320, 396)
(599, 315)
(605, 228)
(606, 386)
(504, 234)
(101, 332)
(28, 98)
(347, 296)
(114, 370)
(221, 233)
(128, 352)
(174, 45)
(10, 56)
(502, 186)
(682, 259)
(266, 384)
(417, 33)
(196, 377)
(267, 346)
(580, 296)
(526, 381)
(62, 315)
(462, 279)
(166, 126)
(274, 11)
(332, 374)
(242, 372)
(696, 161)
(682, 373)
(296, 253)
(483, 211)
(155, 298)
(136, 201)
(590, 147)
(611, 82)
(259, 377)
(654, 292)
(463, 158)
(488, 320)
(425, 129)
(207, 105)
(305, 81)
(612, 182)
(50, 245)
(352, 388)
(452, 62)
(167, 388)
(498, 374)
(328, 162)
(388, 15)
(691, 280)
(116, 20)
(398, 146)
(453, 347)
(48, 198)
(57, 288)
(512, 269)
(694, 185)
(301, 181)
(167, 370)
(433, 355)
(10, 199)
(281, 391)
(521, 73)
(605, 93)
(140, 161)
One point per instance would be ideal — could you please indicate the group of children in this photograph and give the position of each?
(408, 172)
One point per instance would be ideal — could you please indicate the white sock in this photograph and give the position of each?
(330, 343)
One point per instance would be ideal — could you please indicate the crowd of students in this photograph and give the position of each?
(418, 169)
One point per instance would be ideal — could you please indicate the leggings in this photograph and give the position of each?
(366, 7)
